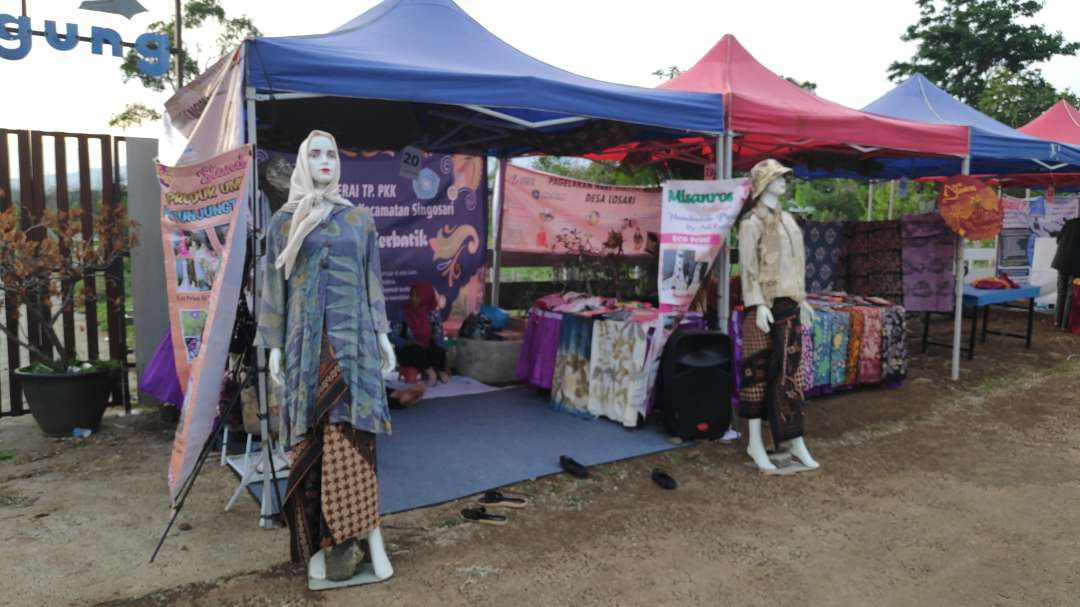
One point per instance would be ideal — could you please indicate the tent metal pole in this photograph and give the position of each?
(266, 457)
(723, 171)
(958, 312)
(870, 200)
(497, 216)
(892, 196)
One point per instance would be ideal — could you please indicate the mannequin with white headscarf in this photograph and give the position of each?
(322, 314)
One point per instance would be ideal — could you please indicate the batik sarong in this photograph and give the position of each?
(617, 378)
(824, 240)
(929, 250)
(851, 373)
(570, 381)
(822, 358)
(332, 493)
(870, 350)
(807, 357)
(841, 330)
(772, 371)
(894, 355)
(536, 363)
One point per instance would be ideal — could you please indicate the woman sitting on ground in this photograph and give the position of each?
(418, 342)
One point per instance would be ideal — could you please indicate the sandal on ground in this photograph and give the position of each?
(480, 515)
(495, 498)
(573, 467)
(664, 479)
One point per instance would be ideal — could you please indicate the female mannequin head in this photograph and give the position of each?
(322, 159)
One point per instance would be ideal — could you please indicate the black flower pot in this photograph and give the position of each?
(61, 402)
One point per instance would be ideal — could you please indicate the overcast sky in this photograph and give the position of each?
(616, 40)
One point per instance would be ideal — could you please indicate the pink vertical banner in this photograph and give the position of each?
(204, 232)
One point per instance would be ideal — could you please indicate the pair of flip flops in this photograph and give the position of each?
(479, 514)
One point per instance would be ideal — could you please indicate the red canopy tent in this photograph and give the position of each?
(1059, 123)
(769, 116)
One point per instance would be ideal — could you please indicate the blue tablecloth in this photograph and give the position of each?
(985, 297)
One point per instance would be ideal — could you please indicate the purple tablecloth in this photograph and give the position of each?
(159, 377)
(536, 364)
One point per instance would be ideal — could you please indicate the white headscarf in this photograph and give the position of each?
(306, 200)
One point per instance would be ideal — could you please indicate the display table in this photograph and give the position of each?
(985, 299)
(598, 363)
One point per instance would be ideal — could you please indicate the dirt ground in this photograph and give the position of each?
(937, 493)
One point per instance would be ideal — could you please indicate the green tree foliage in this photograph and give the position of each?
(846, 200)
(196, 14)
(1017, 98)
(963, 44)
(608, 173)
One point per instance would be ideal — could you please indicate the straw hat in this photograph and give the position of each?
(764, 172)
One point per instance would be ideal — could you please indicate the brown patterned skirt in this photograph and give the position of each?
(772, 371)
(332, 493)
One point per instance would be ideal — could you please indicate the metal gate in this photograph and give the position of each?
(60, 171)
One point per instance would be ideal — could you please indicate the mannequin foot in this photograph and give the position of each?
(797, 448)
(760, 457)
(756, 448)
(379, 561)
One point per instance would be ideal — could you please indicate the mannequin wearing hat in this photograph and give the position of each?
(323, 316)
(773, 263)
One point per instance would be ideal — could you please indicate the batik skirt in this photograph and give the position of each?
(772, 371)
(332, 493)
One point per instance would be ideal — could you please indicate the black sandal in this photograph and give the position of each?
(663, 479)
(573, 467)
(480, 515)
(495, 498)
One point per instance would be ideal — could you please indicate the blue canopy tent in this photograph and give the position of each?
(995, 148)
(458, 87)
(424, 72)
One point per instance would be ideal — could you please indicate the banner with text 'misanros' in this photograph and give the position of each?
(204, 229)
(696, 218)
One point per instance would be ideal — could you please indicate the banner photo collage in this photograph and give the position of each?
(204, 230)
(544, 212)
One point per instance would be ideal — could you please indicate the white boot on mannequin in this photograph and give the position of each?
(756, 449)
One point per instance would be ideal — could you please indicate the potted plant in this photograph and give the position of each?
(42, 259)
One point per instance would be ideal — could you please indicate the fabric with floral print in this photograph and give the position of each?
(335, 287)
(617, 381)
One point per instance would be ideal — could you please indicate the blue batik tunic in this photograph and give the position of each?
(335, 287)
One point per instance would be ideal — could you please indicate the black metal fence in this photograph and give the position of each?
(61, 171)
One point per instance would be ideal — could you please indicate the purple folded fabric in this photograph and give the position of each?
(159, 377)
(536, 364)
(929, 252)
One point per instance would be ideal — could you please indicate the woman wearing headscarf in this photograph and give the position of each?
(419, 340)
(322, 314)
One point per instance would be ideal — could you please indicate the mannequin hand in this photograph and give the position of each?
(277, 373)
(806, 314)
(389, 360)
(763, 318)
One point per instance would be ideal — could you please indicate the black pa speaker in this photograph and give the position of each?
(696, 384)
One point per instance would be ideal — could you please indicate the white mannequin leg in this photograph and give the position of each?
(756, 449)
(797, 448)
(379, 561)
